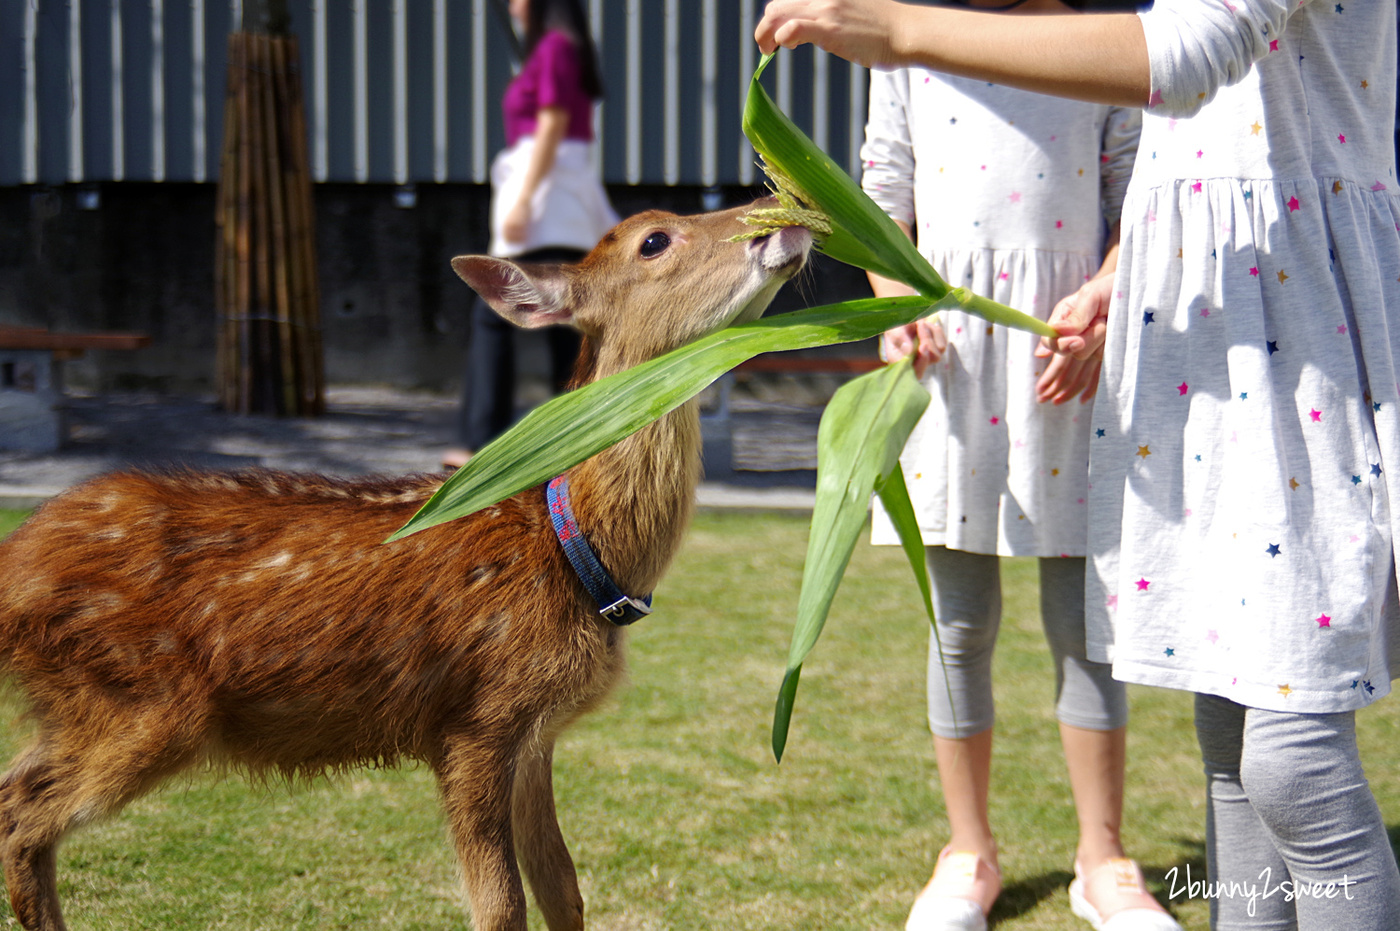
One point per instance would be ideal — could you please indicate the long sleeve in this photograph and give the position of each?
(1196, 47)
(1121, 131)
(887, 156)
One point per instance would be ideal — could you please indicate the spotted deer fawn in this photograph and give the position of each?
(158, 622)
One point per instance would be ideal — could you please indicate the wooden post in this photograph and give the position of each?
(269, 355)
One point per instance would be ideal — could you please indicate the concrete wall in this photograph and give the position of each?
(393, 312)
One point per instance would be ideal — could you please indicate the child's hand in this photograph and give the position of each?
(1081, 319)
(856, 30)
(923, 339)
(1067, 377)
(1077, 354)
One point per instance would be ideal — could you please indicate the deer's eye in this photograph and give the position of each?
(654, 245)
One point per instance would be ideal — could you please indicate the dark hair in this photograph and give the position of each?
(567, 17)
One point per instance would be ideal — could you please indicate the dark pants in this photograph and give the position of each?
(488, 384)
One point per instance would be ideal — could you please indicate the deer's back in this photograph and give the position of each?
(268, 608)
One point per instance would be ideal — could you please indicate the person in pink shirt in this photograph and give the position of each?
(547, 204)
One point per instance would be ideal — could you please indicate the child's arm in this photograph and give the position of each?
(1172, 59)
(924, 339)
(1066, 376)
(887, 160)
(1100, 58)
(1082, 318)
(551, 125)
(1073, 374)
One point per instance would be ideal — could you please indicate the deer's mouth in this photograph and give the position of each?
(776, 257)
(783, 253)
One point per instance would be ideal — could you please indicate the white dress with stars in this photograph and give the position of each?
(1009, 194)
(1246, 439)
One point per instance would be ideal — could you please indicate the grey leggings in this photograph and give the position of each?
(1288, 810)
(967, 604)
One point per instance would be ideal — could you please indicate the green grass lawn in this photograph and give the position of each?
(676, 814)
(10, 519)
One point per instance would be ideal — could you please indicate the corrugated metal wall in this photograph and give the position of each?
(397, 91)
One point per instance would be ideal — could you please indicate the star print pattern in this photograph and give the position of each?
(1245, 470)
(1007, 192)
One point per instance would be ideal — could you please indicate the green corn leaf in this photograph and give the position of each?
(867, 237)
(863, 235)
(862, 432)
(894, 495)
(571, 427)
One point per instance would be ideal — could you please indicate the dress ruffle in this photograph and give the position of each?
(989, 469)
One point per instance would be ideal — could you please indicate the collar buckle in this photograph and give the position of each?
(627, 610)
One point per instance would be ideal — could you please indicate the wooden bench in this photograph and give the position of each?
(791, 363)
(716, 425)
(33, 409)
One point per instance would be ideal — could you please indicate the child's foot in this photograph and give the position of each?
(1114, 898)
(959, 895)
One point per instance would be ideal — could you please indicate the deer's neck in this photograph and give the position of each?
(634, 500)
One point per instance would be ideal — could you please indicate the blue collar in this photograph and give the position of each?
(612, 603)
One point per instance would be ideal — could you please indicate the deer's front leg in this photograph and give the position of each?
(476, 776)
(540, 845)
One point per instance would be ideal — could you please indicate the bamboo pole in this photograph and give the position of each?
(282, 379)
(269, 357)
(243, 307)
(289, 178)
(226, 244)
(309, 302)
(264, 381)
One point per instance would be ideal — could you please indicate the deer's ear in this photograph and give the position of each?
(527, 295)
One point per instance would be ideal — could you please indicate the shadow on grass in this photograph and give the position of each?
(1026, 894)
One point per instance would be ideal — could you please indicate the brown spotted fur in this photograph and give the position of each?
(257, 620)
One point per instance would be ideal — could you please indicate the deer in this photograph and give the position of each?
(258, 622)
